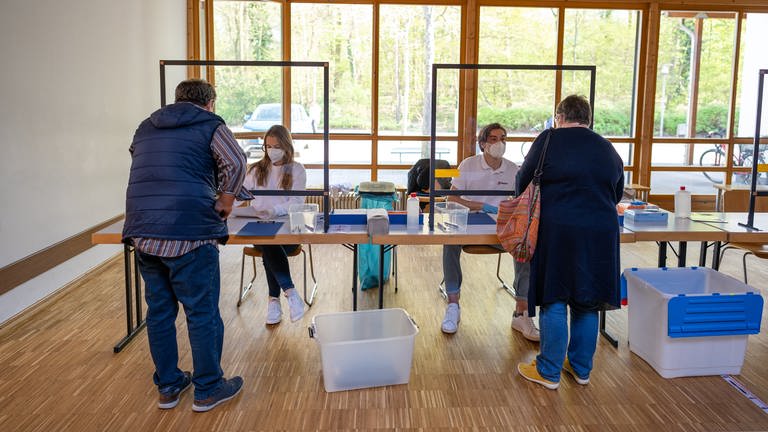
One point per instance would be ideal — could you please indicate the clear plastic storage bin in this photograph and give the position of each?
(451, 216)
(690, 321)
(361, 349)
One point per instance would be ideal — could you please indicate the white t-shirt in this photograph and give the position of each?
(278, 203)
(476, 174)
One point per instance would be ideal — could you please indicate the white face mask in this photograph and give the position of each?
(275, 154)
(497, 149)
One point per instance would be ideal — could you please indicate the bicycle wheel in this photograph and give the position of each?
(712, 158)
(746, 178)
(524, 147)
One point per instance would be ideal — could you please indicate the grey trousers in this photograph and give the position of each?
(453, 277)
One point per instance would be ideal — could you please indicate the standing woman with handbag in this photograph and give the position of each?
(576, 262)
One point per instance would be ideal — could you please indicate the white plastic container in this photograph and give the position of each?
(362, 349)
(649, 292)
(451, 216)
(682, 203)
(412, 212)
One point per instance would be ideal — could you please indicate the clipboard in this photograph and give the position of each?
(260, 229)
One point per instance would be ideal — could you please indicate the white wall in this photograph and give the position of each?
(76, 79)
(755, 58)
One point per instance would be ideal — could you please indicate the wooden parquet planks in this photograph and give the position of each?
(58, 372)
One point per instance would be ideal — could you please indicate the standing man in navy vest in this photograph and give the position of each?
(186, 171)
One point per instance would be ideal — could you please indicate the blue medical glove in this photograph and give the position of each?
(487, 208)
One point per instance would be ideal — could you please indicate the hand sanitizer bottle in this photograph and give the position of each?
(682, 203)
(412, 210)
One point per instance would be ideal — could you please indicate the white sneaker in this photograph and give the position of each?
(274, 311)
(452, 318)
(295, 305)
(524, 324)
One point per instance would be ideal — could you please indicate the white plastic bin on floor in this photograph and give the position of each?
(690, 321)
(363, 349)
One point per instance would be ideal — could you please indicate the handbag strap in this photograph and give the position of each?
(540, 166)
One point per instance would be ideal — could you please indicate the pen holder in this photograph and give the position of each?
(302, 217)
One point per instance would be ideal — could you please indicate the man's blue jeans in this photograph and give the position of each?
(192, 280)
(553, 324)
(276, 267)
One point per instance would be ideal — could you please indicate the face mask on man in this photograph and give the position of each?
(497, 149)
(275, 154)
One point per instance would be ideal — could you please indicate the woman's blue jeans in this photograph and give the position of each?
(275, 259)
(193, 280)
(553, 327)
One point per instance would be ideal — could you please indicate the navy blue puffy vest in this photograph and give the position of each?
(173, 180)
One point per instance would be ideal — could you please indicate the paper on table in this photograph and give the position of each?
(248, 211)
(707, 217)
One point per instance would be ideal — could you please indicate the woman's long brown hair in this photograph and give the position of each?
(262, 167)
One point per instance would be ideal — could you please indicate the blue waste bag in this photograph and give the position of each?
(368, 254)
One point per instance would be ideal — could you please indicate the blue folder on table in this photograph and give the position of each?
(260, 229)
(480, 219)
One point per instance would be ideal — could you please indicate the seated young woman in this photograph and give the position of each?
(277, 170)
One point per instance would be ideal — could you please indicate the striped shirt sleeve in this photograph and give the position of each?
(231, 162)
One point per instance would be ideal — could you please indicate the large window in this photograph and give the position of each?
(380, 89)
(521, 100)
(693, 94)
(412, 38)
(340, 35)
(247, 31)
(608, 40)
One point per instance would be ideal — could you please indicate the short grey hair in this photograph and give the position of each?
(575, 109)
(195, 90)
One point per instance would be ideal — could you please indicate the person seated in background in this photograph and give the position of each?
(485, 171)
(276, 170)
(418, 179)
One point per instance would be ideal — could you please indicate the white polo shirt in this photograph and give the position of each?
(476, 174)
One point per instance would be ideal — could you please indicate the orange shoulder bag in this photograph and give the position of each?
(517, 225)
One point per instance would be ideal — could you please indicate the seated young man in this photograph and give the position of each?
(485, 171)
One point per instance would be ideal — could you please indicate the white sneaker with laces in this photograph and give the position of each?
(524, 324)
(295, 305)
(452, 317)
(274, 311)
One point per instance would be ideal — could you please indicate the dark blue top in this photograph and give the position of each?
(577, 253)
(173, 180)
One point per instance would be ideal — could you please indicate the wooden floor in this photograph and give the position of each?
(58, 371)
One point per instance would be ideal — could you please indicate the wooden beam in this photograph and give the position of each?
(33, 265)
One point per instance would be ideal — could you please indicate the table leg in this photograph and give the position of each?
(703, 254)
(382, 251)
(605, 334)
(354, 277)
(662, 254)
(131, 329)
(716, 255)
(681, 255)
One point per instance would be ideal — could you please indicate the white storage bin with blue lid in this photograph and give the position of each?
(361, 349)
(690, 321)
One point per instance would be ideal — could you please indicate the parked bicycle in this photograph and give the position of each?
(742, 157)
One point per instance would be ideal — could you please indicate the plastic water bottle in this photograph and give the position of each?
(412, 210)
(682, 203)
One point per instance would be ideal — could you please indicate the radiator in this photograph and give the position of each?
(346, 200)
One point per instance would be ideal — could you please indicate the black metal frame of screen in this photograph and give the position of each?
(433, 119)
(324, 192)
(754, 193)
